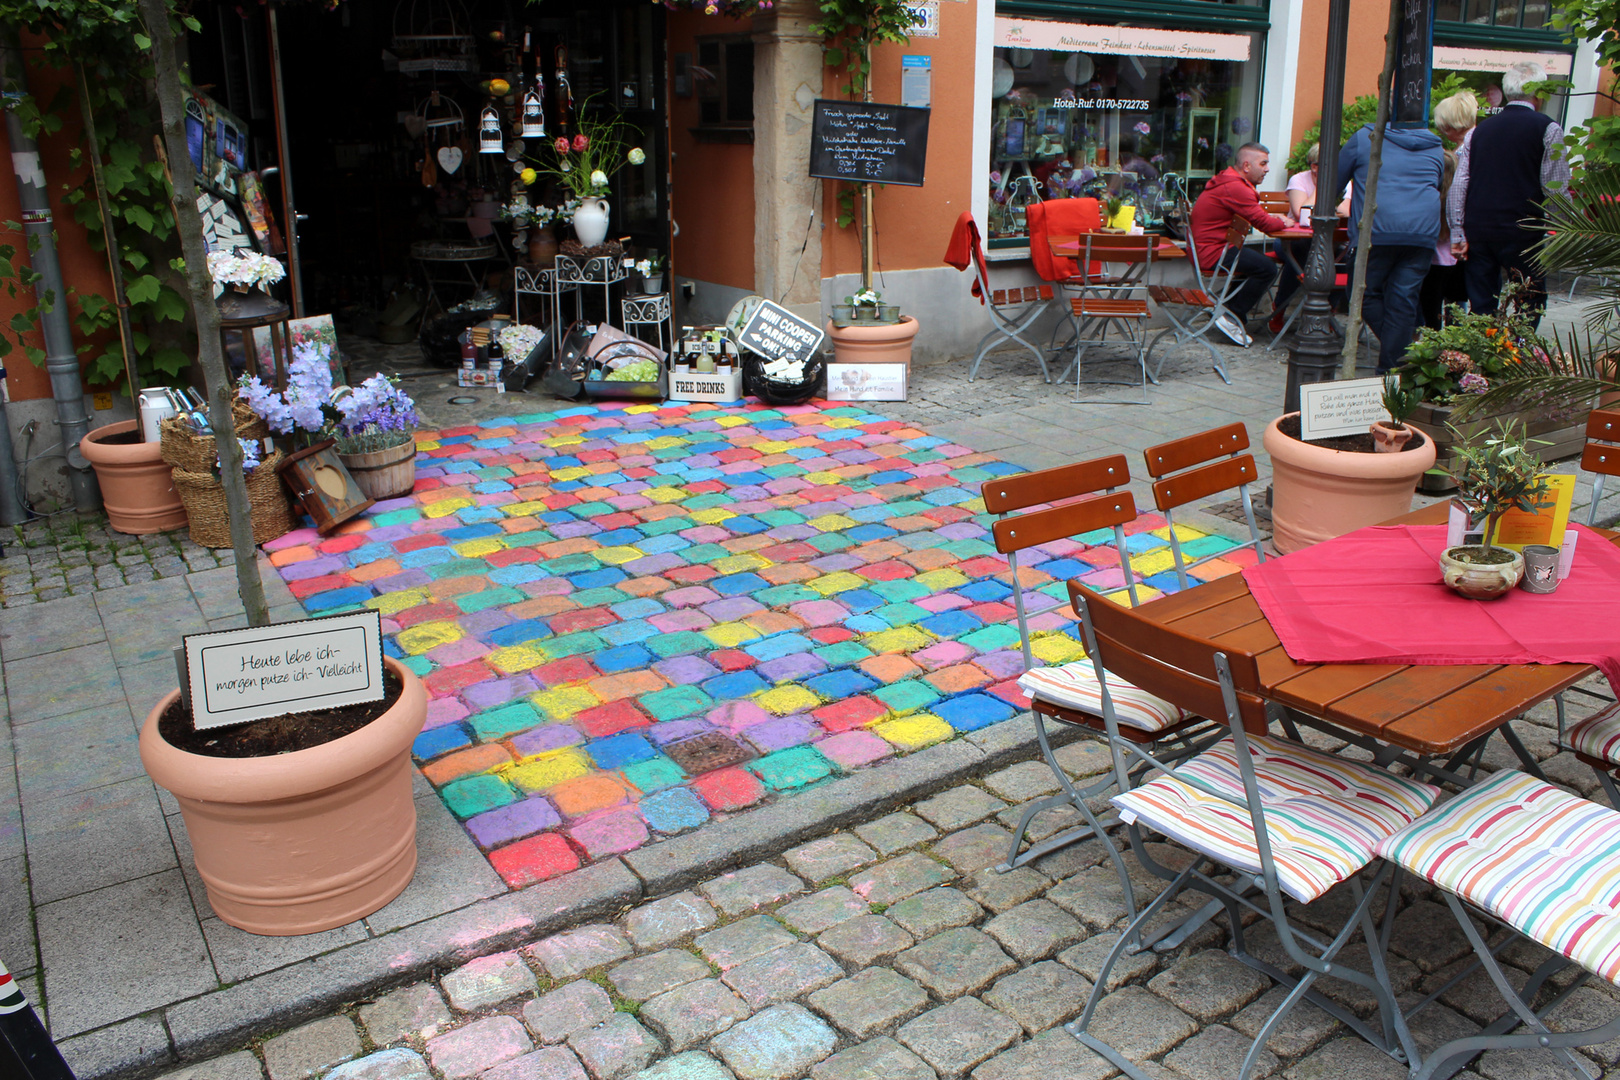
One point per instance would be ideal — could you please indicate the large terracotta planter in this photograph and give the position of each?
(1318, 494)
(1564, 435)
(136, 486)
(305, 841)
(884, 343)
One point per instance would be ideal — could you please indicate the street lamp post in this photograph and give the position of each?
(1313, 354)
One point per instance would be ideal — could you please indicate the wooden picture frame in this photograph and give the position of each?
(1203, 136)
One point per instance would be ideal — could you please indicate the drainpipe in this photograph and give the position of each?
(61, 359)
(12, 510)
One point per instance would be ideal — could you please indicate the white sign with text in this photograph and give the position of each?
(235, 676)
(1347, 407)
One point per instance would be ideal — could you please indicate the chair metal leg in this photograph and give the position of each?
(1068, 796)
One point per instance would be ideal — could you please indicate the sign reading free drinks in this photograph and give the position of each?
(235, 676)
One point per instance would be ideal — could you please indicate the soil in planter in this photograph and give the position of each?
(1476, 555)
(1355, 444)
(120, 438)
(275, 734)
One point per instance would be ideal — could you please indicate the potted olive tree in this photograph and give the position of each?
(1493, 474)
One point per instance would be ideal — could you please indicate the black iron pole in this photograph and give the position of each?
(1313, 354)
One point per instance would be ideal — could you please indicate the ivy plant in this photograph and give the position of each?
(849, 29)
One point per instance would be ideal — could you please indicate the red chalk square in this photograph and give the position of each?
(571, 669)
(311, 586)
(1010, 693)
(451, 680)
(539, 858)
(609, 719)
(849, 713)
(407, 544)
(831, 635)
(337, 545)
(729, 789)
(729, 660)
(512, 556)
(422, 613)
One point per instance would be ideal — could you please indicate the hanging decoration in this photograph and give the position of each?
(489, 132)
(534, 114)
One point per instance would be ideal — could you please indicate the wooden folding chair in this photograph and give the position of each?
(1106, 299)
(1286, 819)
(1012, 311)
(1193, 312)
(1193, 467)
(1602, 454)
(1086, 496)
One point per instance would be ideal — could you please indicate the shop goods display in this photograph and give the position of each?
(631, 618)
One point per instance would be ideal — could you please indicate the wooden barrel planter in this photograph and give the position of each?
(384, 474)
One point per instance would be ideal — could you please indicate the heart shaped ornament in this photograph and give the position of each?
(450, 158)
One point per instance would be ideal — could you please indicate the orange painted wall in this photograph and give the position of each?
(81, 267)
(1364, 57)
(914, 224)
(712, 184)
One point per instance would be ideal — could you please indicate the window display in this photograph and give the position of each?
(1113, 112)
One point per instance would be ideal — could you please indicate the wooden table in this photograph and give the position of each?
(1428, 710)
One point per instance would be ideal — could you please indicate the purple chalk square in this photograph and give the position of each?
(782, 733)
(389, 533)
(735, 715)
(701, 461)
(856, 457)
(670, 731)
(494, 498)
(389, 626)
(671, 622)
(636, 461)
(732, 608)
(856, 500)
(1061, 547)
(820, 612)
(631, 487)
(629, 502)
(941, 602)
(686, 670)
(792, 667)
(755, 506)
(1002, 664)
(1039, 601)
(384, 506)
(326, 564)
(1109, 577)
(482, 622)
(547, 587)
(875, 438)
(567, 530)
(458, 652)
(691, 596)
(615, 831)
(293, 539)
(511, 822)
(952, 450)
(961, 530)
(747, 492)
(841, 560)
(943, 654)
(445, 710)
(784, 533)
(649, 565)
(786, 485)
(492, 692)
(850, 749)
(546, 737)
(705, 534)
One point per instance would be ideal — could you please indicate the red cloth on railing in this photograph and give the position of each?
(1375, 596)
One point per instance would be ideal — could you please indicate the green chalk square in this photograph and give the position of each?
(829, 542)
(778, 518)
(785, 469)
(992, 638)
(791, 768)
(671, 453)
(973, 474)
(492, 472)
(416, 665)
(708, 500)
(704, 553)
(397, 517)
(783, 595)
(680, 643)
(457, 568)
(663, 525)
(917, 541)
(923, 457)
(901, 590)
(844, 653)
(909, 508)
(498, 723)
(675, 702)
(906, 696)
(589, 510)
(571, 644)
(601, 596)
(964, 550)
(1207, 545)
(654, 774)
(488, 598)
(528, 539)
(579, 562)
(1059, 589)
(902, 614)
(476, 794)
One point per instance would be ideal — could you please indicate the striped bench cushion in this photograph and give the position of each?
(1598, 736)
(1074, 686)
(1536, 857)
(1324, 815)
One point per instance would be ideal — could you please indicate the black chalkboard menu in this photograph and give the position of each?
(867, 142)
(1414, 57)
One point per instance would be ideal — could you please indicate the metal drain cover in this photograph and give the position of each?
(463, 399)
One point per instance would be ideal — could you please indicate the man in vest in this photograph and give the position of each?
(1525, 152)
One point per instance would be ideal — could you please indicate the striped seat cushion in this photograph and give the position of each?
(1598, 736)
(1536, 857)
(1074, 686)
(1324, 815)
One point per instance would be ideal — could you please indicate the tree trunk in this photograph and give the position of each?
(188, 222)
(1375, 158)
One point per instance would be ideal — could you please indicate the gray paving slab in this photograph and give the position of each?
(49, 627)
(141, 634)
(147, 595)
(450, 871)
(66, 681)
(92, 839)
(19, 951)
(63, 755)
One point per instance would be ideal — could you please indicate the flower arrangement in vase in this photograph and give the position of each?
(243, 270)
(583, 165)
(651, 270)
(1494, 474)
(865, 308)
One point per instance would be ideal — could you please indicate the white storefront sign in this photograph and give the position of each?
(1118, 40)
(1459, 58)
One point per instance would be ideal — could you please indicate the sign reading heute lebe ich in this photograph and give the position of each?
(235, 676)
(1347, 407)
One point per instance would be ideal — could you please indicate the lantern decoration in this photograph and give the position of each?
(489, 132)
(534, 117)
(318, 480)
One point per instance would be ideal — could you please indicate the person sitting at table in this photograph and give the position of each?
(1231, 193)
(1301, 193)
(1405, 228)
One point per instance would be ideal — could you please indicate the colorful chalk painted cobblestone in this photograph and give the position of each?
(632, 620)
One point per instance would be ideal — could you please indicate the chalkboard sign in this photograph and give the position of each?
(866, 142)
(776, 333)
(1414, 63)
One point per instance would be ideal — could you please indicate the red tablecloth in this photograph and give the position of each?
(1375, 596)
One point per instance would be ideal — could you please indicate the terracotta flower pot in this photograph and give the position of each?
(1480, 581)
(137, 487)
(882, 343)
(1389, 439)
(1318, 494)
(304, 841)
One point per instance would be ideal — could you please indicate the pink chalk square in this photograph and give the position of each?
(1108, 578)
(851, 749)
(820, 612)
(610, 833)
(1144, 523)
(671, 622)
(993, 613)
(705, 534)
(1010, 693)
(546, 587)
(943, 654)
(442, 711)
(1039, 601)
(737, 715)
(458, 652)
(942, 602)
(1051, 620)
(691, 596)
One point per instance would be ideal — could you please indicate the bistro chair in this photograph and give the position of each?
(1341, 281)
(1057, 221)
(1194, 467)
(1545, 864)
(1103, 299)
(1601, 457)
(1291, 822)
(1012, 311)
(1086, 496)
(1193, 312)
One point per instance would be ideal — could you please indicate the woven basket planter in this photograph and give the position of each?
(204, 499)
(183, 449)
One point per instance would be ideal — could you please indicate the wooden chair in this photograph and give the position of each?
(1084, 497)
(1194, 467)
(1602, 454)
(1012, 311)
(1053, 222)
(1275, 203)
(1193, 312)
(1287, 820)
(1104, 298)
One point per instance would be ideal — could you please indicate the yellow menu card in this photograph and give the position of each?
(1546, 526)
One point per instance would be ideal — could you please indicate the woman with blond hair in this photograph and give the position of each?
(1445, 284)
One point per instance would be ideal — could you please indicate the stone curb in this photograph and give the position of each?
(212, 1023)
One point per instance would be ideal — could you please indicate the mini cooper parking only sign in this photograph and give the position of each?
(235, 676)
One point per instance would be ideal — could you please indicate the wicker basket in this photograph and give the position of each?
(184, 449)
(204, 499)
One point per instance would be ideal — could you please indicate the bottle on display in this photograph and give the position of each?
(565, 92)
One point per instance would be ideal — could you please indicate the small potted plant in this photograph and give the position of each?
(1494, 474)
(375, 433)
(651, 270)
(1399, 401)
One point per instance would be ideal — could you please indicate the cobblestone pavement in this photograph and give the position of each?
(895, 951)
(71, 554)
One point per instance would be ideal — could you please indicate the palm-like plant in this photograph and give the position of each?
(1583, 227)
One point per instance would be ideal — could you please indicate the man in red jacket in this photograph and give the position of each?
(1231, 193)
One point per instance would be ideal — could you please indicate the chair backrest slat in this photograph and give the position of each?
(1119, 248)
(1058, 522)
(1195, 449)
(1194, 484)
(1599, 458)
(1008, 493)
(1604, 425)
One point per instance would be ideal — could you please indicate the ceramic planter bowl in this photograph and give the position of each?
(874, 343)
(304, 841)
(1480, 581)
(1318, 494)
(137, 487)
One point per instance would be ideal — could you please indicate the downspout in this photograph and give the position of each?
(61, 359)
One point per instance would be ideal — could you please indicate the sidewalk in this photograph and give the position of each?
(135, 973)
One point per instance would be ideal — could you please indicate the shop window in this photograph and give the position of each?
(723, 78)
(1109, 111)
(1480, 70)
